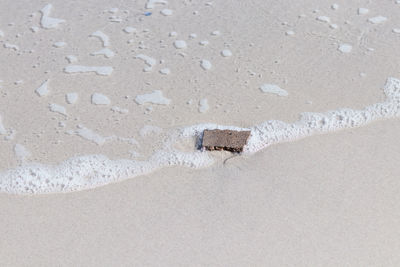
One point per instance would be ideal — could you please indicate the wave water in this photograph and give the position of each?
(90, 171)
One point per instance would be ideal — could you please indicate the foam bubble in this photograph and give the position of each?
(2, 128)
(34, 29)
(105, 70)
(377, 20)
(129, 30)
(205, 64)
(156, 97)
(204, 43)
(21, 153)
(203, 105)
(273, 89)
(43, 89)
(11, 46)
(149, 61)
(166, 12)
(71, 58)
(106, 52)
(71, 98)
(90, 135)
(345, 48)
(102, 36)
(179, 44)
(120, 110)
(362, 11)
(323, 19)
(226, 53)
(48, 22)
(333, 26)
(151, 3)
(165, 71)
(100, 99)
(59, 44)
(58, 109)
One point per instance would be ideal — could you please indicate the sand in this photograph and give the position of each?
(326, 200)
(293, 205)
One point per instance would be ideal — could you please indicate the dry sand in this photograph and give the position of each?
(326, 200)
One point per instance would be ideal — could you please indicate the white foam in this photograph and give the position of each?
(48, 22)
(58, 109)
(100, 99)
(34, 29)
(149, 61)
(11, 135)
(273, 89)
(102, 36)
(71, 58)
(84, 172)
(204, 43)
(165, 71)
(71, 98)
(129, 29)
(363, 11)
(156, 97)
(151, 3)
(59, 44)
(205, 64)
(203, 105)
(90, 135)
(106, 52)
(180, 44)
(324, 19)
(333, 26)
(120, 110)
(97, 138)
(345, 48)
(2, 128)
(21, 153)
(377, 20)
(226, 53)
(104, 70)
(396, 30)
(43, 89)
(166, 12)
(113, 10)
(11, 46)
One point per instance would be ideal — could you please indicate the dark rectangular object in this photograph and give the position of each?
(229, 140)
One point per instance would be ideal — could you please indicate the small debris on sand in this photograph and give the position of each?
(229, 140)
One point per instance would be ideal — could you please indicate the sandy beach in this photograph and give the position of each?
(102, 103)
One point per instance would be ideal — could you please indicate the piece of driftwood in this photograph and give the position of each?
(229, 140)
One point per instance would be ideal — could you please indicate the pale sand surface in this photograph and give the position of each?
(331, 200)
(326, 200)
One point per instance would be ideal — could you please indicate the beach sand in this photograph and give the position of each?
(331, 200)
(324, 200)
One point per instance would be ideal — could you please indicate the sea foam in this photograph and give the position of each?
(90, 171)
